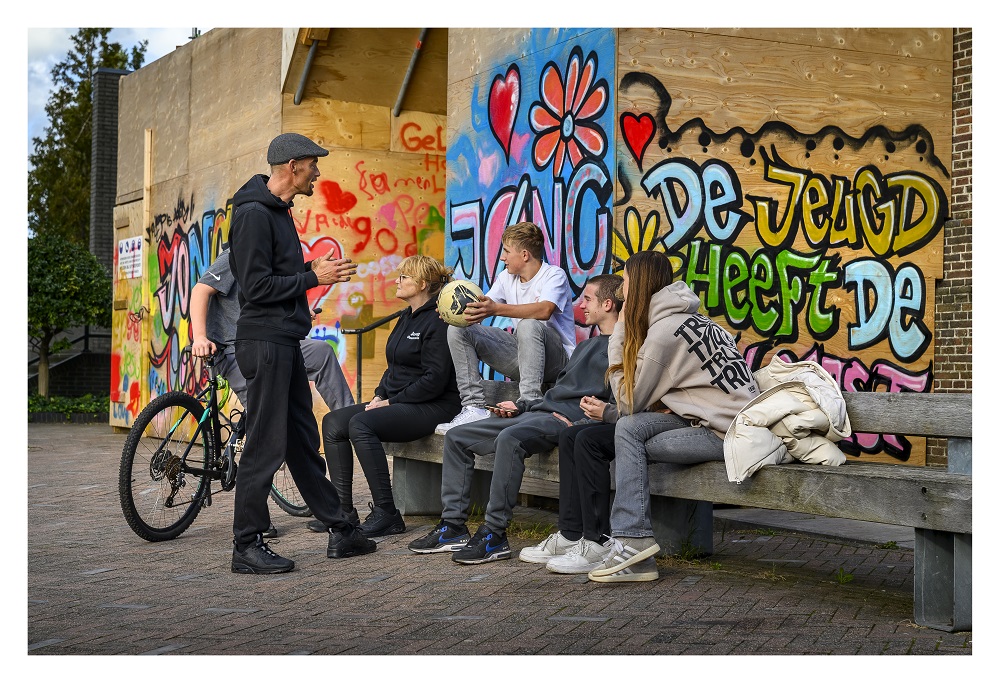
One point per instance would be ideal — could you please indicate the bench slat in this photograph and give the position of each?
(910, 413)
(919, 497)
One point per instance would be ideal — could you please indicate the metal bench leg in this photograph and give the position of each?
(942, 580)
(682, 527)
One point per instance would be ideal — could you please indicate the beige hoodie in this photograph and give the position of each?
(688, 362)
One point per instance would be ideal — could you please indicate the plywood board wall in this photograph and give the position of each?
(793, 175)
(368, 66)
(800, 184)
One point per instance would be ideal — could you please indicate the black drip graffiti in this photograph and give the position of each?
(915, 134)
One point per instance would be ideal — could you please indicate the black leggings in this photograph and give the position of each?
(365, 430)
(585, 455)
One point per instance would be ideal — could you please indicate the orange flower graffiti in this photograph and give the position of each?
(564, 118)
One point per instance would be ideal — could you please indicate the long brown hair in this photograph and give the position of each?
(648, 273)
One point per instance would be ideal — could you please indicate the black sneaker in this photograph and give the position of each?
(445, 537)
(271, 532)
(382, 523)
(260, 559)
(486, 546)
(349, 543)
(318, 526)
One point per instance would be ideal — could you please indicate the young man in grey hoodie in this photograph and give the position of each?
(515, 432)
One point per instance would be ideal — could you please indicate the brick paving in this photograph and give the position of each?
(94, 587)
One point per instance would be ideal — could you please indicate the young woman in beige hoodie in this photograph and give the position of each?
(679, 381)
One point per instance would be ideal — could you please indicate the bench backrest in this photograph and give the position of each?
(909, 413)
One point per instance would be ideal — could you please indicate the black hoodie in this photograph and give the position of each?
(267, 262)
(419, 366)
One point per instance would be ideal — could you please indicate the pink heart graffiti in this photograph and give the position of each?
(315, 250)
(505, 98)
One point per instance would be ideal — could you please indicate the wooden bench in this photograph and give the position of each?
(936, 502)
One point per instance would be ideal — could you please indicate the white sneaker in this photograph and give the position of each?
(628, 559)
(468, 414)
(553, 546)
(583, 557)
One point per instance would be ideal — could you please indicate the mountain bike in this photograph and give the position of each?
(178, 449)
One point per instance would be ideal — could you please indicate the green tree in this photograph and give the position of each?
(59, 177)
(67, 287)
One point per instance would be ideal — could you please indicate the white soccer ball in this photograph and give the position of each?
(453, 299)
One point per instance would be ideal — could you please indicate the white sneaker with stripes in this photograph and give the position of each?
(628, 559)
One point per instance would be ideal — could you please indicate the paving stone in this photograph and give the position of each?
(105, 591)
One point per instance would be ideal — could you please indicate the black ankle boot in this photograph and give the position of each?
(380, 522)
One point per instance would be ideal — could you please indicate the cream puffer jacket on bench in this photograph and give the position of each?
(799, 415)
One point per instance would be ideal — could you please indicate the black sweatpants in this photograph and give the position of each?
(366, 430)
(281, 428)
(585, 455)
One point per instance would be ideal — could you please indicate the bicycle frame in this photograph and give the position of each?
(223, 466)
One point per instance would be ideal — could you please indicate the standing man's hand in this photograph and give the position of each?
(331, 270)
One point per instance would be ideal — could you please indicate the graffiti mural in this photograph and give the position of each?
(376, 214)
(538, 145)
(812, 244)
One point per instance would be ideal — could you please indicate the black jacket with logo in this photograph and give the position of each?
(420, 367)
(267, 262)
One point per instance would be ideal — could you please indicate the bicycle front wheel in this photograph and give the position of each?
(286, 494)
(159, 499)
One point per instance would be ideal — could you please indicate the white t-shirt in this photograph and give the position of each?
(549, 284)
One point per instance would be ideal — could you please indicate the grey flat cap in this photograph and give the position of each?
(288, 146)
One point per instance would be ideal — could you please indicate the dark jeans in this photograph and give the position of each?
(585, 455)
(366, 430)
(283, 430)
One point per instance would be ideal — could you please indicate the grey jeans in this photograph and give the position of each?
(656, 437)
(533, 355)
(511, 440)
(322, 368)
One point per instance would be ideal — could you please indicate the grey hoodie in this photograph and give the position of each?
(688, 362)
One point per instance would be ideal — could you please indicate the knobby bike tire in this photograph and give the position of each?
(150, 467)
(286, 495)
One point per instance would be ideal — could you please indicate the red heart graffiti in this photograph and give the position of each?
(505, 98)
(337, 200)
(318, 248)
(165, 254)
(638, 132)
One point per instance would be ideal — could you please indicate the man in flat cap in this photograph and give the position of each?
(267, 262)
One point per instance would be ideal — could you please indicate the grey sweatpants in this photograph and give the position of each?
(511, 440)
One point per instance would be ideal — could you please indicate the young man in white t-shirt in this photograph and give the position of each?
(536, 296)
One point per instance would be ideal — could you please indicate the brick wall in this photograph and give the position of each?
(86, 373)
(953, 308)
